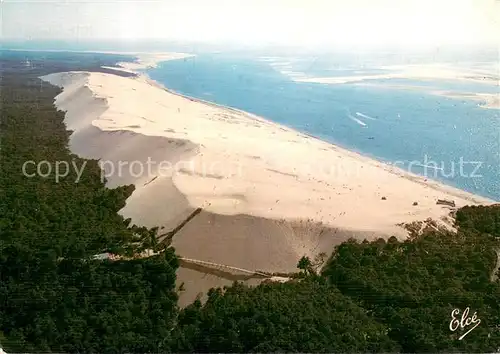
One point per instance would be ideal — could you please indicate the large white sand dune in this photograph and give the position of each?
(269, 193)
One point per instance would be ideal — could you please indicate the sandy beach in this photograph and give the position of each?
(269, 194)
(147, 60)
(426, 72)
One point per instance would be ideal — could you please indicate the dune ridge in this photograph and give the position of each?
(269, 194)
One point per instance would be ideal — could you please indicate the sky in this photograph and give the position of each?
(295, 22)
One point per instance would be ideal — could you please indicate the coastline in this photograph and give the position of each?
(273, 196)
(425, 72)
(484, 100)
(455, 191)
(452, 190)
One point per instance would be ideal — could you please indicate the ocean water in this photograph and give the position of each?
(452, 140)
(392, 120)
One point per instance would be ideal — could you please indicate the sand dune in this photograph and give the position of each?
(269, 194)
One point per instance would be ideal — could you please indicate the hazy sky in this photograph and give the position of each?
(336, 22)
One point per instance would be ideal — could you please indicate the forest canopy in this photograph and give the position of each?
(53, 295)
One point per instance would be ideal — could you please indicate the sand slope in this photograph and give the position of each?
(269, 194)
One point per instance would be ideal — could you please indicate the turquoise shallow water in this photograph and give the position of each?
(451, 140)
